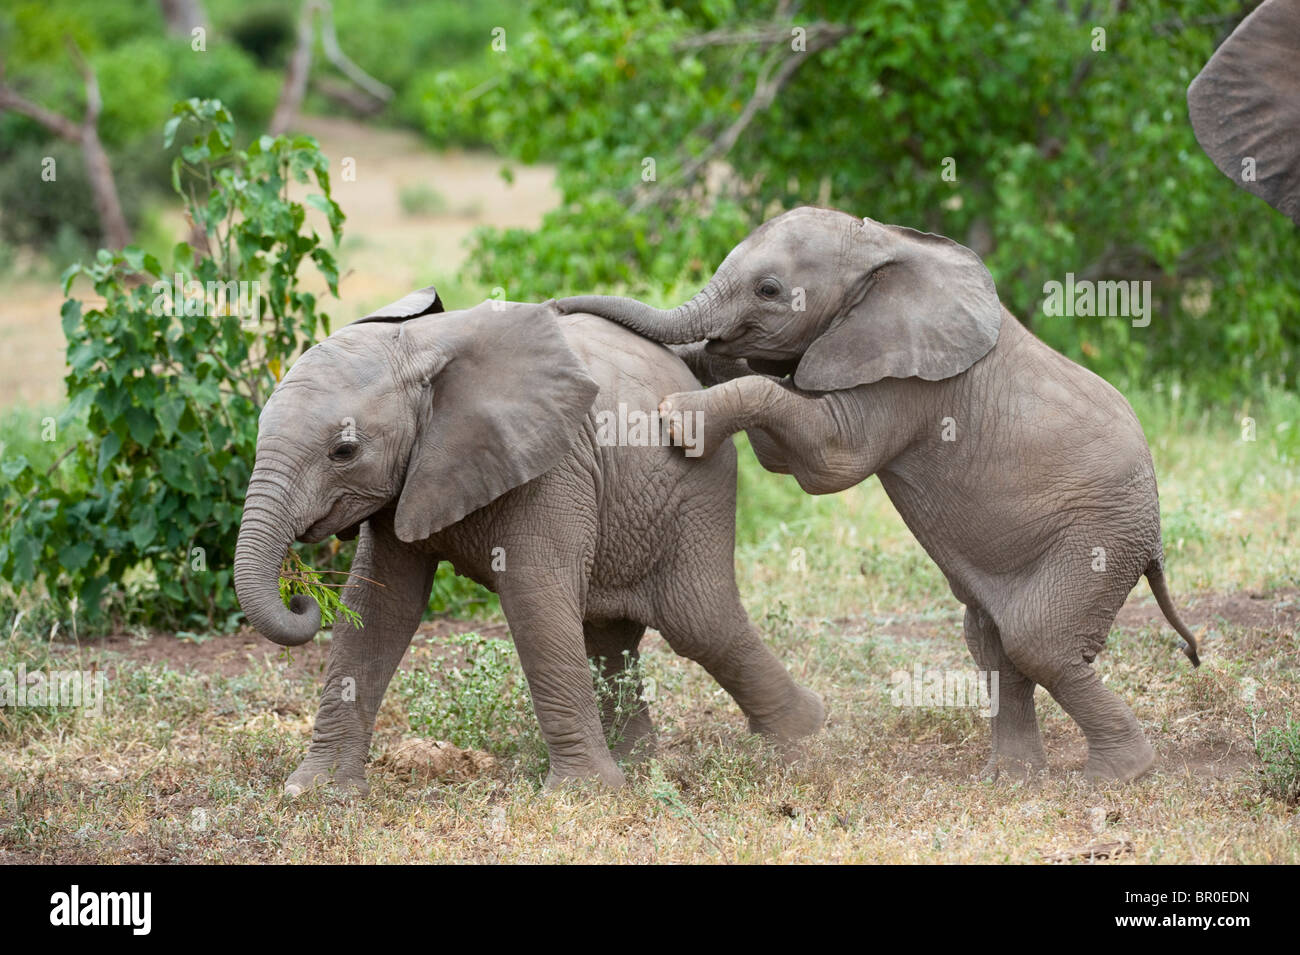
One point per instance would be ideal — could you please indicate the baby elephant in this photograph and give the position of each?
(1026, 477)
(484, 438)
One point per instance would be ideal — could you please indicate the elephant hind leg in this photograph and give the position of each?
(1057, 655)
(717, 634)
(1017, 744)
(624, 712)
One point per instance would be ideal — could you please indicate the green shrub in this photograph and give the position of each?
(170, 401)
(421, 200)
(56, 216)
(266, 32)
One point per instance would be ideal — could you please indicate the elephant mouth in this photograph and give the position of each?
(776, 367)
(344, 528)
(725, 347)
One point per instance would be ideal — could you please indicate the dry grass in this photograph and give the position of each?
(187, 766)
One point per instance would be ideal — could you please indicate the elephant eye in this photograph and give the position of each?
(343, 452)
(769, 288)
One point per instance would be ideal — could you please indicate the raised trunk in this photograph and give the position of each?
(264, 538)
(691, 321)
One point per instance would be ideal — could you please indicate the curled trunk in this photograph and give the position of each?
(264, 538)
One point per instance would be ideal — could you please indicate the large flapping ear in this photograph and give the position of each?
(425, 301)
(927, 309)
(503, 400)
(1245, 106)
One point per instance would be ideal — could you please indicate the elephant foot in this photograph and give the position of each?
(321, 774)
(604, 773)
(803, 716)
(1121, 764)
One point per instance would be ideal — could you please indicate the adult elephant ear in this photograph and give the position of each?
(1245, 106)
(927, 308)
(502, 399)
(424, 301)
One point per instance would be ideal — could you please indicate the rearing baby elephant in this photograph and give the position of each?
(1024, 476)
(475, 437)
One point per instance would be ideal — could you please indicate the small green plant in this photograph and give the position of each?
(421, 200)
(297, 578)
(617, 696)
(1278, 748)
(474, 696)
(669, 797)
(26, 637)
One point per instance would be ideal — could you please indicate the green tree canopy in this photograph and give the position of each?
(1062, 128)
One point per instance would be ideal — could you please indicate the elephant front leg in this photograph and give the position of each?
(825, 439)
(548, 633)
(362, 662)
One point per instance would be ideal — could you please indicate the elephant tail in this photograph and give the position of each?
(1155, 574)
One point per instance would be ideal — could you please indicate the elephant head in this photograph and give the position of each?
(434, 415)
(838, 300)
(1245, 106)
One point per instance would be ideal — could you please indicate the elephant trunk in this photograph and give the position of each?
(264, 539)
(691, 321)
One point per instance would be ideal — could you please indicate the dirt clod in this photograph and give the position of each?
(428, 759)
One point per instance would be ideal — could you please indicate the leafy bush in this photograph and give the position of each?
(1064, 158)
(46, 215)
(172, 396)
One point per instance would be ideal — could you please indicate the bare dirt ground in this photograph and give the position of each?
(386, 252)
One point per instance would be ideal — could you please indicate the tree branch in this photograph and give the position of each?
(763, 35)
(299, 70)
(766, 88)
(330, 41)
(117, 234)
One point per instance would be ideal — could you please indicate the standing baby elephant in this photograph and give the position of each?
(472, 437)
(1026, 477)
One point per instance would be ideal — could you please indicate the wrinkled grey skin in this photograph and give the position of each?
(448, 436)
(1245, 106)
(901, 343)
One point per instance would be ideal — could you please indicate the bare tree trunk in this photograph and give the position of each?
(297, 73)
(295, 76)
(112, 223)
(183, 17)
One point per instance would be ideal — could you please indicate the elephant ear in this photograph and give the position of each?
(927, 309)
(424, 301)
(503, 399)
(1245, 106)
